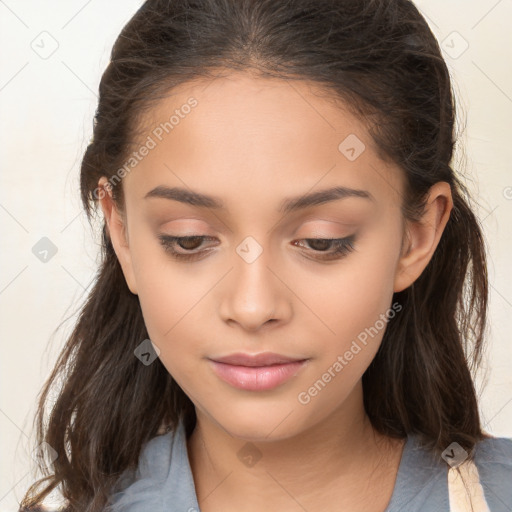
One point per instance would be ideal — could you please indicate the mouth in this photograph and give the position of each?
(256, 372)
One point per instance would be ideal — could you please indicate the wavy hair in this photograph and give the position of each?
(382, 60)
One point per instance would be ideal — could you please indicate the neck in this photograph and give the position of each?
(341, 451)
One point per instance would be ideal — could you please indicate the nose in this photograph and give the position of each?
(254, 296)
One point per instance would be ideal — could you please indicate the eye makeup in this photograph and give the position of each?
(185, 248)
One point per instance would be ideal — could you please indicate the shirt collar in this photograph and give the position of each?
(163, 481)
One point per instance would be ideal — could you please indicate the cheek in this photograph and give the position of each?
(168, 303)
(355, 301)
(167, 291)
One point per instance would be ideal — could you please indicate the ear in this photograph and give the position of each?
(422, 237)
(117, 231)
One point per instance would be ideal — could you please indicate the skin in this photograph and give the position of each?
(253, 142)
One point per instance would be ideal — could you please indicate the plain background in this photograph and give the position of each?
(52, 57)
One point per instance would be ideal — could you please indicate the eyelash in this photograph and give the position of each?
(343, 246)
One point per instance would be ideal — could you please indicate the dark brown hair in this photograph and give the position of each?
(381, 59)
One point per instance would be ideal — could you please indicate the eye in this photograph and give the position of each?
(187, 243)
(340, 247)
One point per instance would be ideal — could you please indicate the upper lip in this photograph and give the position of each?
(263, 359)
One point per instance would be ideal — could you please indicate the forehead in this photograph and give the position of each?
(249, 109)
(248, 134)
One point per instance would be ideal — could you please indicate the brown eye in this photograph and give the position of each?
(190, 243)
(185, 243)
(342, 246)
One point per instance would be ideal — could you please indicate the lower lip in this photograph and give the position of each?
(257, 378)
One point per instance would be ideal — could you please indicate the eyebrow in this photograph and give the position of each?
(288, 205)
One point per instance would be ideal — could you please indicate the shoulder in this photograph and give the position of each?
(494, 449)
(163, 480)
(493, 460)
(139, 488)
(427, 483)
(156, 455)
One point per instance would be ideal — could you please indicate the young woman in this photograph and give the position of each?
(293, 290)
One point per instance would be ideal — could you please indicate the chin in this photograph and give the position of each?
(260, 425)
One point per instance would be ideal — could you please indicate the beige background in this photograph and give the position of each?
(47, 104)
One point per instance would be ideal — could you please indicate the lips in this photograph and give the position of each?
(263, 359)
(257, 372)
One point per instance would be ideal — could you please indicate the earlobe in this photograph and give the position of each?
(422, 237)
(117, 231)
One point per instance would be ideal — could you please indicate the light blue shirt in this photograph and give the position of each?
(163, 480)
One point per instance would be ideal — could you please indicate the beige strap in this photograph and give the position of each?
(460, 495)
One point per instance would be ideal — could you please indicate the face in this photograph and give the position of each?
(262, 275)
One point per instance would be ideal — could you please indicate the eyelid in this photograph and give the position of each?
(315, 221)
(186, 224)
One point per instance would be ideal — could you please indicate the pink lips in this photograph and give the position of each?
(256, 372)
